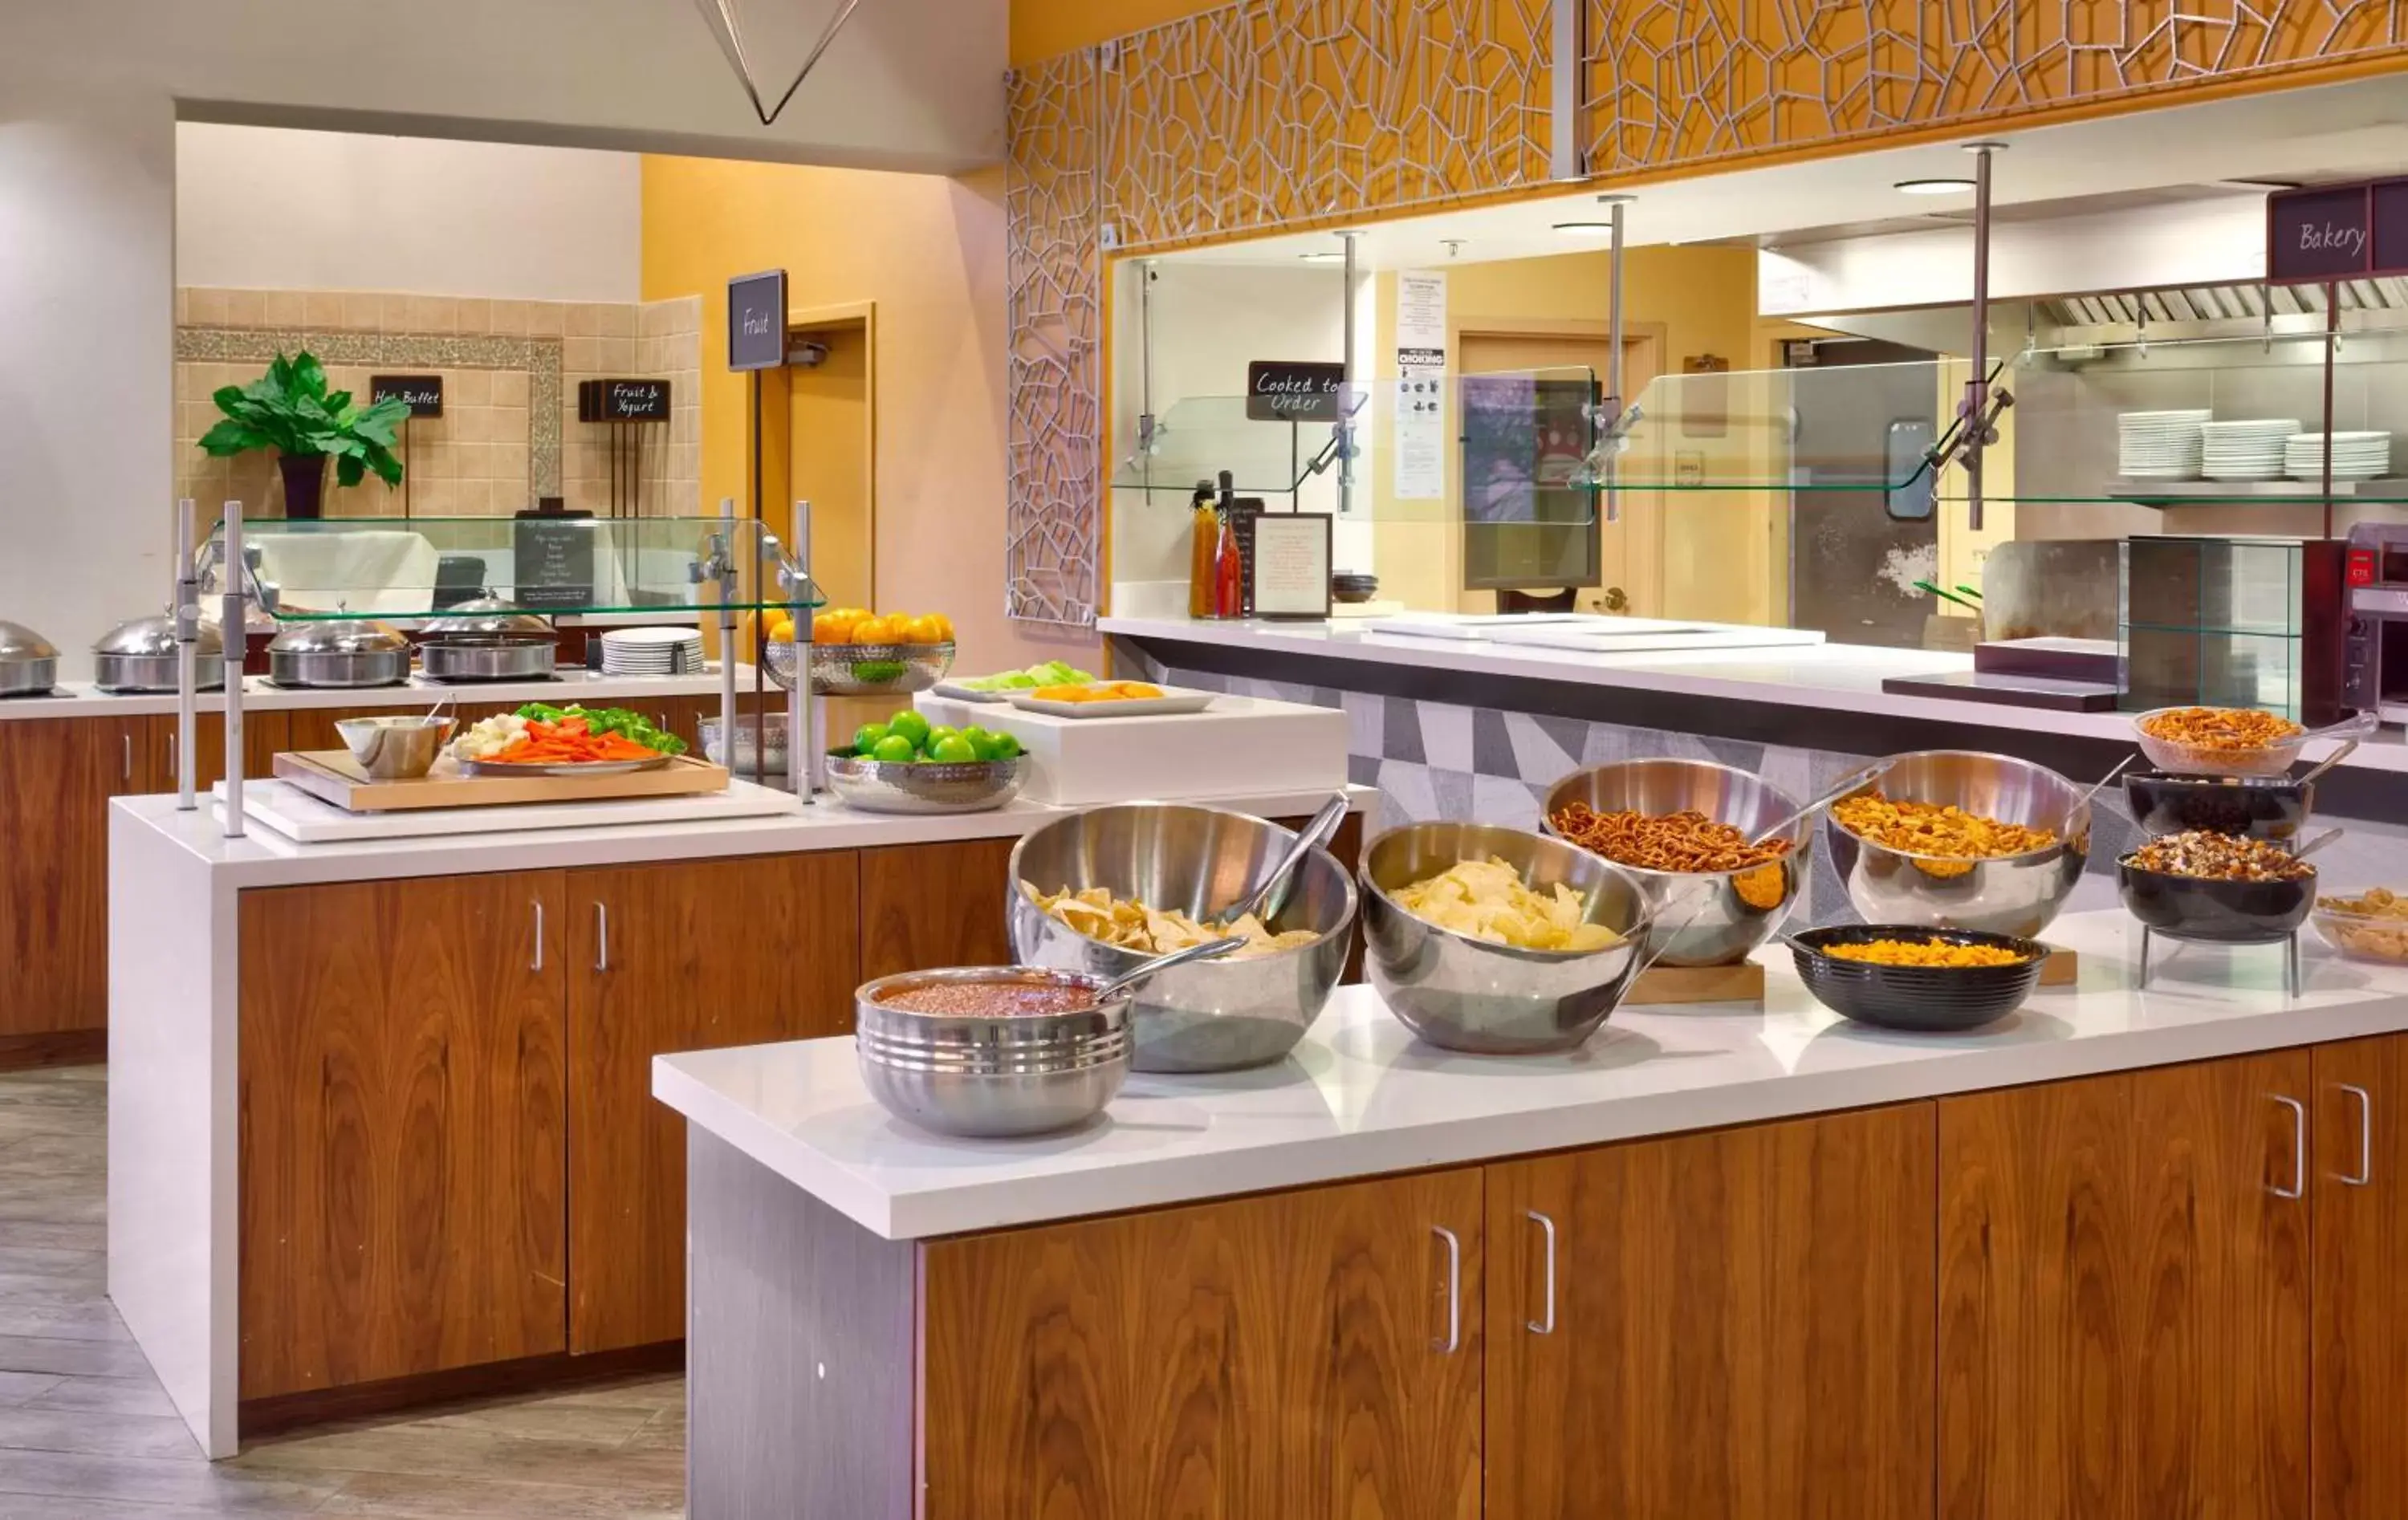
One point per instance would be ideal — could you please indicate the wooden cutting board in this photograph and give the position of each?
(333, 775)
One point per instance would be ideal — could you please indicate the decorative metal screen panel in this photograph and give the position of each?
(1054, 284)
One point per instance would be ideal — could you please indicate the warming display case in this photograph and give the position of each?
(2233, 623)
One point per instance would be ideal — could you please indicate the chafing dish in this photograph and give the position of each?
(348, 654)
(487, 639)
(140, 656)
(29, 664)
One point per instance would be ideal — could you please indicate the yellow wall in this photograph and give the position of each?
(1042, 29)
(1701, 556)
(929, 252)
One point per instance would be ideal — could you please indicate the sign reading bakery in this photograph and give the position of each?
(2337, 232)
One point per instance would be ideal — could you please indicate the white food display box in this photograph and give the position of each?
(1238, 744)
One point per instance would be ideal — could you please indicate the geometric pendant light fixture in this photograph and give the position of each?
(721, 16)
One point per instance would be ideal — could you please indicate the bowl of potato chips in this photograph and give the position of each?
(1497, 941)
(1106, 890)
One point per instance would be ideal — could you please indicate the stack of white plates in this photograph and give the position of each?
(2249, 450)
(651, 652)
(2160, 445)
(2356, 456)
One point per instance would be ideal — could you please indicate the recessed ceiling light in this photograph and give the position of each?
(1934, 187)
(1322, 258)
(1584, 229)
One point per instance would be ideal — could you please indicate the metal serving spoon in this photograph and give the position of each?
(1856, 779)
(1209, 949)
(1322, 825)
(2329, 762)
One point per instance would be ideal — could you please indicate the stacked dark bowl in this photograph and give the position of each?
(1926, 1000)
(2213, 910)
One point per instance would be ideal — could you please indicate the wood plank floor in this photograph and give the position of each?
(87, 1434)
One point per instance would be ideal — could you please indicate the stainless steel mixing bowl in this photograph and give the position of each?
(1741, 909)
(1218, 1016)
(988, 1077)
(1472, 994)
(2009, 894)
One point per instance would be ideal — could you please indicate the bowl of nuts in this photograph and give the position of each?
(2371, 926)
(2222, 888)
(2219, 741)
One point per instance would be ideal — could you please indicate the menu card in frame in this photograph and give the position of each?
(1291, 571)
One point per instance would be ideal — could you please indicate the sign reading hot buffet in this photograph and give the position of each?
(756, 321)
(623, 401)
(422, 393)
(1291, 390)
(2338, 232)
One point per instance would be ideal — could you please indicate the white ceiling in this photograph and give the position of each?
(2332, 131)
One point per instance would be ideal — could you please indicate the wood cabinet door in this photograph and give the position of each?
(1307, 1355)
(1736, 1324)
(2360, 1359)
(313, 728)
(56, 778)
(680, 957)
(929, 905)
(2124, 1295)
(402, 1129)
(264, 735)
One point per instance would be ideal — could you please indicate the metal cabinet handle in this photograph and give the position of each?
(127, 738)
(1454, 1291)
(601, 937)
(2299, 1187)
(538, 965)
(1546, 1325)
(2365, 1173)
(173, 770)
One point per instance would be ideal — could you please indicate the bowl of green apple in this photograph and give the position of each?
(908, 765)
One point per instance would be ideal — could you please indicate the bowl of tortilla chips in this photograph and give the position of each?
(1106, 890)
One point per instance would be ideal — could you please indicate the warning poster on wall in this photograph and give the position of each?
(1419, 451)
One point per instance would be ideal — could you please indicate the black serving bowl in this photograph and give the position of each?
(1353, 586)
(1926, 1000)
(2212, 909)
(2259, 806)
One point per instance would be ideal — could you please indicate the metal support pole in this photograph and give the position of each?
(2332, 352)
(186, 611)
(233, 623)
(1347, 392)
(1145, 372)
(1613, 399)
(802, 709)
(1977, 386)
(727, 567)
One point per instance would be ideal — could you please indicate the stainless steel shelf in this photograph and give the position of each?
(2211, 493)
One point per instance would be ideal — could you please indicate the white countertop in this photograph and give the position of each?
(260, 858)
(1824, 676)
(573, 683)
(1360, 1095)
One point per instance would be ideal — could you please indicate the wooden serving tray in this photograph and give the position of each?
(333, 775)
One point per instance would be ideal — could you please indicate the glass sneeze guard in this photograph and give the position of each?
(333, 569)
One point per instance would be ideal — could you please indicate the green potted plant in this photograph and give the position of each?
(288, 410)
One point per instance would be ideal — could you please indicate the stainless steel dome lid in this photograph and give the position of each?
(155, 636)
(348, 637)
(488, 615)
(19, 643)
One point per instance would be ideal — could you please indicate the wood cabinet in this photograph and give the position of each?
(1737, 1324)
(683, 957)
(2360, 1355)
(1312, 1355)
(402, 1143)
(929, 905)
(56, 778)
(2124, 1295)
(264, 735)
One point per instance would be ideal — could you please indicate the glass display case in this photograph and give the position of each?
(2232, 622)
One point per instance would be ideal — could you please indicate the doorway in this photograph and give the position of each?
(817, 444)
(1573, 348)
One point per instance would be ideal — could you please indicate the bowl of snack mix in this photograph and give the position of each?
(2219, 741)
(2221, 888)
(1957, 838)
(1908, 977)
(2372, 926)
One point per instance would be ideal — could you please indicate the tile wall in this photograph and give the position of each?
(509, 431)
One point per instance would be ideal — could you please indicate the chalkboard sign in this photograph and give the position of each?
(422, 393)
(2327, 233)
(623, 401)
(552, 560)
(1284, 391)
(756, 321)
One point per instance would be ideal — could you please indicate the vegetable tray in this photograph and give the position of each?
(333, 775)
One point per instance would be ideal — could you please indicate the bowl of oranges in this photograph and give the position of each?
(857, 652)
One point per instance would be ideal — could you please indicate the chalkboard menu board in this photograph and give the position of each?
(756, 321)
(2326, 232)
(1284, 391)
(623, 401)
(422, 393)
(551, 557)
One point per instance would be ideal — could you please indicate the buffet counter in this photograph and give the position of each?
(478, 1014)
(1715, 1248)
(81, 700)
